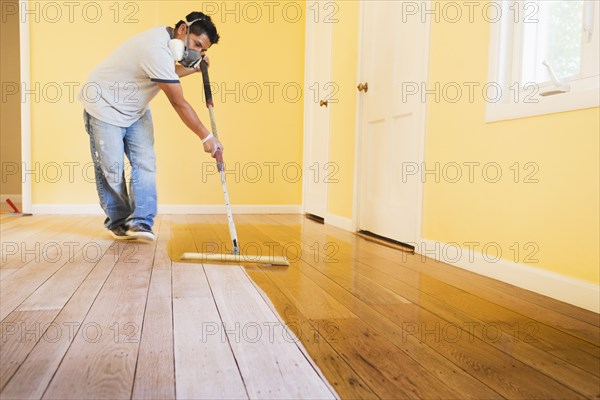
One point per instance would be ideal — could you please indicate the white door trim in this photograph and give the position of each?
(423, 124)
(358, 124)
(358, 128)
(308, 115)
(305, 113)
(25, 71)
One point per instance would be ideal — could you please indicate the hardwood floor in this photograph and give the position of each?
(83, 316)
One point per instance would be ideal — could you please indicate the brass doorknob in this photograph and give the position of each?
(363, 87)
(323, 103)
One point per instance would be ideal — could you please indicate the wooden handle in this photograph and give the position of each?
(206, 81)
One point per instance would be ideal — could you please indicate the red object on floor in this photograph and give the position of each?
(12, 205)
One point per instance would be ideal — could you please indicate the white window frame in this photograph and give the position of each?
(505, 62)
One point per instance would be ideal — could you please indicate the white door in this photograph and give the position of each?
(393, 55)
(316, 112)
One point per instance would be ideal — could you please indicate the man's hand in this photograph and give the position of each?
(197, 67)
(183, 71)
(212, 145)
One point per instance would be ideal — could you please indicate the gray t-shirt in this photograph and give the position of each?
(119, 89)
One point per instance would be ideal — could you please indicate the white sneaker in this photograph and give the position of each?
(120, 233)
(141, 232)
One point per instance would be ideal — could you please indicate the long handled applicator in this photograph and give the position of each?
(235, 255)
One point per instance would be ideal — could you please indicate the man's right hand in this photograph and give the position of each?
(212, 146)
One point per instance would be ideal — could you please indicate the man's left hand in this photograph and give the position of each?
(205, 58)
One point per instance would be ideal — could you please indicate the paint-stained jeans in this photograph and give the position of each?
(109, 144)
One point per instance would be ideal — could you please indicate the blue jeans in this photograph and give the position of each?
(109, 144)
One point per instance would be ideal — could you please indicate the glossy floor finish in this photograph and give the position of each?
(377, 322)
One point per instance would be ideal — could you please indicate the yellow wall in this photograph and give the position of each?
(262, 133)
(10, 113)
(557, 217)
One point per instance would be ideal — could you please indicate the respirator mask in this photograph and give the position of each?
(181, 52)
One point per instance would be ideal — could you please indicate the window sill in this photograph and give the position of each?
(577, 99)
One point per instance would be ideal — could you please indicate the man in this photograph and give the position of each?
(118, 119)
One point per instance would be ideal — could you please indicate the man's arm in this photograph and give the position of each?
(183, 71)
(174, 93)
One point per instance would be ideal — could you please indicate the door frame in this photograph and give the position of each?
(25, 72)
(358, 136)
(308, 115)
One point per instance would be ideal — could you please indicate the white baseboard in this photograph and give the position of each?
(94, 209)
(560, 287)
(66, 209)
(339, 222)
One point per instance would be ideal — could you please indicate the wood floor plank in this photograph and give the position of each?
(395, 269)
(384, 382)
(21, 330)
(491, 330)
(457, 340)
(181, 239)
(206, 240)
(210, 233)
(56, 291)
(21, 284)
(34, 374)
(33, 241)
(493, 360)
(503, 374)
(542, 337)
(13, 225)
(376, 323)
(52, 296)
(155, 369)
(270, 363)
(25, 242)
(566, 317)
(290, 332)
(204, 363)
(101, 361)
(478, 322)
(6, 218)
(5, 272)
(486, 316)
(504, 294)
(346, 382)
(547, 338)
(314, 304)
(569, 325)
(384, 367)
(449, 373)
(205, 367)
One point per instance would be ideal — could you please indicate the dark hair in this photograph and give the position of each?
(203, 25)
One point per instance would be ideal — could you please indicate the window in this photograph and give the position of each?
(544, 57)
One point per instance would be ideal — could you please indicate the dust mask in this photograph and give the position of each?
(181, 53)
